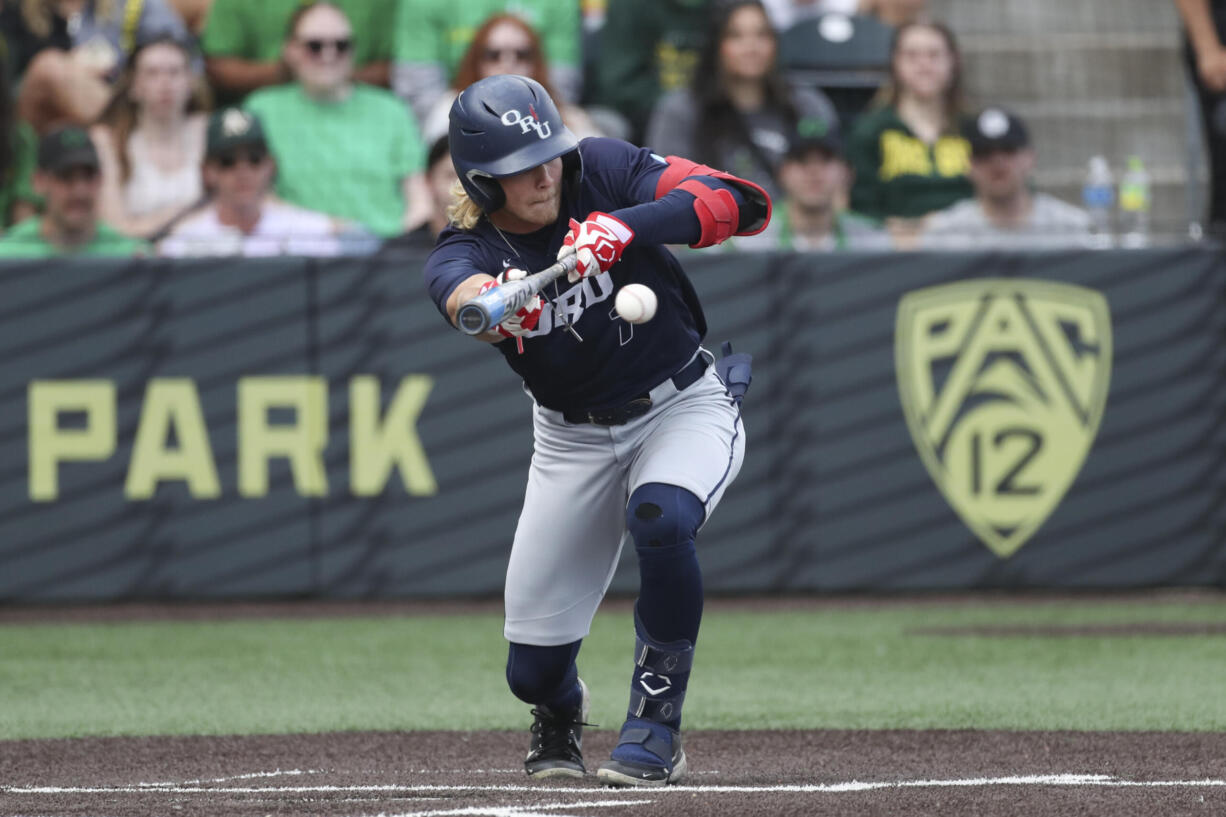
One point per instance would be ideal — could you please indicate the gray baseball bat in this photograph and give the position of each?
(487, 310)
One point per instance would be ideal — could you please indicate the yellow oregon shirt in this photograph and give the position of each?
(898, 174)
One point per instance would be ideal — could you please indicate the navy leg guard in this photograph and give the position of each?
(545, 676)
(663, 520)
(661, 675)
(649, 751)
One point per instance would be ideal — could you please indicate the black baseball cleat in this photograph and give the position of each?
(556, 749)
(639, 759)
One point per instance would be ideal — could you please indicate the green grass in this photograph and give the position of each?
(858, 668)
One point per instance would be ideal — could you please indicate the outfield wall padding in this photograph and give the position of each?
(916, 422)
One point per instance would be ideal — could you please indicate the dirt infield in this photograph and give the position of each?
(732, 773)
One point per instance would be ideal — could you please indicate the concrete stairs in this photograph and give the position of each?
(1089, 76)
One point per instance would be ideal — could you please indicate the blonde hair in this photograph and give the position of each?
(463, 212)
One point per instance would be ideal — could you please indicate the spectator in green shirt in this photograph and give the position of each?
(243, 41)
(432, 35)
(347, 149)
(504, 44)
(69, 180)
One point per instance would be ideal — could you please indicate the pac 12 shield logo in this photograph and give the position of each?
(1003, 383)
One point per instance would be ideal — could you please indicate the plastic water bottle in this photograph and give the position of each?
(1098, 196)
(1134, 204)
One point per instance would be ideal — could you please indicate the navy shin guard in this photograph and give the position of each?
(661, 675)
(648, 750)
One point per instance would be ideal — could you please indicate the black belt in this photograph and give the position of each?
(639, 406)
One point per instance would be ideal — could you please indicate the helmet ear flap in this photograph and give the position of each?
(485, 192)
(493, 193)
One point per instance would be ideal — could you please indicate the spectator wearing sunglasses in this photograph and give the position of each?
(348, 149)
(68, 179)
(242, 216)
(431, 36)
(243, 42)
(504, 44)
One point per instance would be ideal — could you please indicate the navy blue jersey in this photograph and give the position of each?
(616, 361)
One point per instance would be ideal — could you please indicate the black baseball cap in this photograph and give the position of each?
(65, 148)
(995, 129)
(815, 133)
(232, 128)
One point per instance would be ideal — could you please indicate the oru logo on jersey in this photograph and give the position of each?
(1003, 384)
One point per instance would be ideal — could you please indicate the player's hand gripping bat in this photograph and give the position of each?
(484, 311)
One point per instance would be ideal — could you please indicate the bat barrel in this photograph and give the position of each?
(483, 312)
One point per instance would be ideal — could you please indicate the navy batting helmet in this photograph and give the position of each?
(503, 125)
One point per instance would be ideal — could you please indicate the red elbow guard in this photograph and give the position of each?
(717, 210)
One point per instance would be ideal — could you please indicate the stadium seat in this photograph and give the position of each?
(847, 57)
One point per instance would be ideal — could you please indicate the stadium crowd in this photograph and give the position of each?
(233, 127)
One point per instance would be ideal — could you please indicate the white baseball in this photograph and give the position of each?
(635, 303)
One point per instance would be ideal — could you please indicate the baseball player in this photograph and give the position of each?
(634, 430)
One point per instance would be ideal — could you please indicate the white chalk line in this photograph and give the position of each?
(814, 788)
(298, 772)
(518, 811)
(517, 772)
(227, 779)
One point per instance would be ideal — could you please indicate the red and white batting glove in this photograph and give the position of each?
(597, 244)
(523, 321)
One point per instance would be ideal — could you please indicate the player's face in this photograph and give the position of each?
(748, 48)
(1001, 174)
(923, 63)
(814, 181)
(533, 199)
